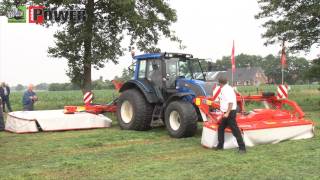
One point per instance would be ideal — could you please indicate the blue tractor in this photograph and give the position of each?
(163, 87)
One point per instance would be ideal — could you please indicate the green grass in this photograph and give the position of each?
(115, 154)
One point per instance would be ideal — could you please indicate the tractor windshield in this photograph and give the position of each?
(185, 68)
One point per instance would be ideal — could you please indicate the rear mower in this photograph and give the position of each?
(279, 120)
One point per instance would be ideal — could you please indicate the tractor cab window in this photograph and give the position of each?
(142, 69)
(153, 68)
(171, 72)
(154, 73)
(182, 68)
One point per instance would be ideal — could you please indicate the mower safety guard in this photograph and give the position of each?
(210, 108)
(272, 100)
(96, 108)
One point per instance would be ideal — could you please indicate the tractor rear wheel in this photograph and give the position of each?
(133, 111)
(181, 119)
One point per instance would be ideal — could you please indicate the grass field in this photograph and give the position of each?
(116, 154)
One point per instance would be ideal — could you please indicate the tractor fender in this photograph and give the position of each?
(145, 89)
(177, 96)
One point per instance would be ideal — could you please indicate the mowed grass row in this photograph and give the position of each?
(115, 154)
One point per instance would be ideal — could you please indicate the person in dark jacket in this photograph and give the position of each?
(1, 117)
(5, 94)
(29, 98)
(156, 79)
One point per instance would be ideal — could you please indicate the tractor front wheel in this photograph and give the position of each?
(133, 111)
(181, 119)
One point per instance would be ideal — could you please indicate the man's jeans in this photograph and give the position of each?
(28, 107)
(1, 119)
(232, 124)
(6, 101)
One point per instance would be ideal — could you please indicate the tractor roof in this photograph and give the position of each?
(148, 56)
(160, 55)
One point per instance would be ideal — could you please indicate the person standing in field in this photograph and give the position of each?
(156, 79)
(5, 94)
(29, 98)
(1, 117)
(1, 96)
(228, 105)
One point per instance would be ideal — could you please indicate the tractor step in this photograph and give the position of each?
(157, 116)
(157, 113)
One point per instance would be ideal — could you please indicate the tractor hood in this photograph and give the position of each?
(197, 87)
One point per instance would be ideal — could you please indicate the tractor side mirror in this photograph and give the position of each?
(131, 68)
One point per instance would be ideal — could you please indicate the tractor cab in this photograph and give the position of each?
(163, 87)
(170, 73)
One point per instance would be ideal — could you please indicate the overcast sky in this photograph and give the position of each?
(207, 28)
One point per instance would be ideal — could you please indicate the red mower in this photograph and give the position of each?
(279, 120)
(95, 108)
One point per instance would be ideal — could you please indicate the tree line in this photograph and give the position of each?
(298, 70)
(98, 84)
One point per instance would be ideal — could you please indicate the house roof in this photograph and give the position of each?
(215, 75)
(244, 74)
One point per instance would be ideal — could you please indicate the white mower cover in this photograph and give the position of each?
(53, 120)
(258, 136)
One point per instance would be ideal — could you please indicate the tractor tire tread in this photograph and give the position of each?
(187, 112)
(142, 111)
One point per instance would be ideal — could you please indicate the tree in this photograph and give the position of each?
(99, 84)
(297, 68)
(294, 72)
(62, 87)
(222, 64)
(313, 72)
(125, 76)
(242, 61)
(42, 86)
(19, 87)
(296, 22)
(272, 68)
(57, 87)
(99, 38)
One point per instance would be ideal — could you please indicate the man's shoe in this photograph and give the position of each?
(242, 151)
